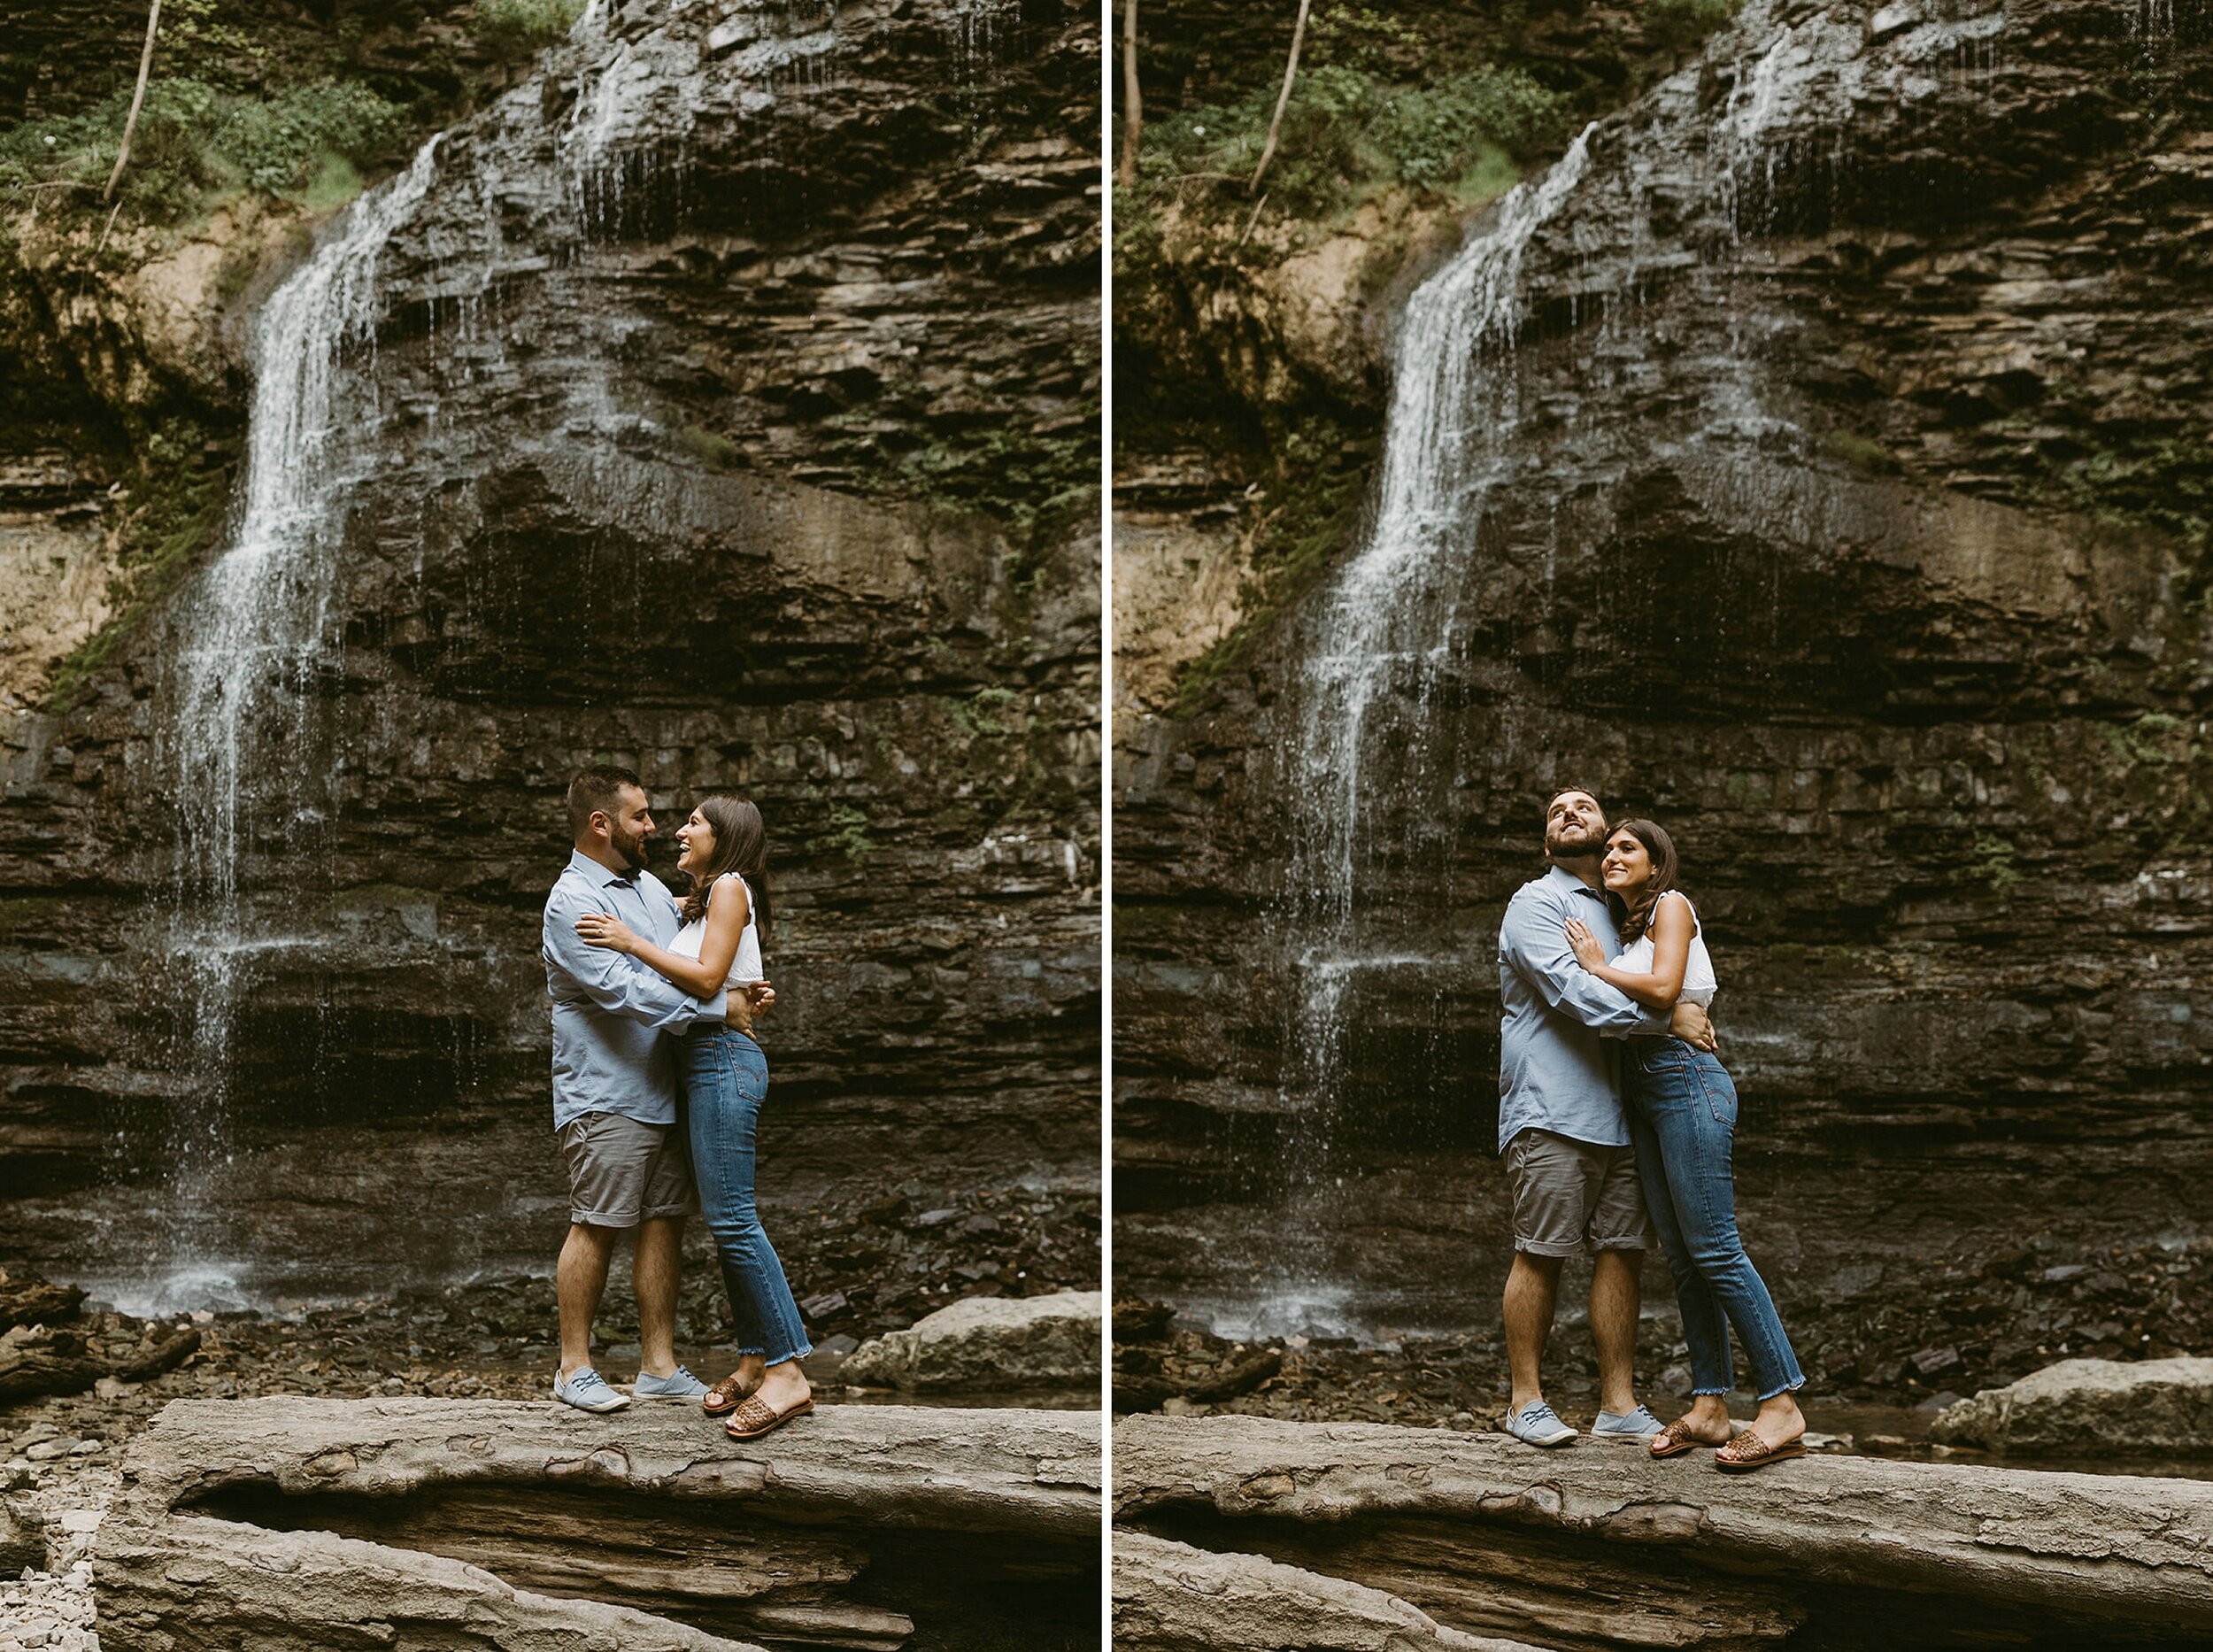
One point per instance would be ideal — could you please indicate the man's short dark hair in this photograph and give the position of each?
(1558, 792)
(598, 791)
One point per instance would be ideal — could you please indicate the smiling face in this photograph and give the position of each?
(695, 845)
(1575, 826)
(1627, 866)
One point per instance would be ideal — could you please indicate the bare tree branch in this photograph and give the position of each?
(1132, 104)
(138, 98)
(1275, 127)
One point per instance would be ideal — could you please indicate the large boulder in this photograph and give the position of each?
(2078, 1405)
(989, 1342)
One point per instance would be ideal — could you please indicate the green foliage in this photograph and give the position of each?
(179, 502)
(977, 715)
(196, 143)
(1677, 26)
(716, 452)
(1029, 481)
(1993, 864)
(1867, 457)
(1367, 38)
(1315, 506)
(515, 29)
(848, 833)
(1347, 131)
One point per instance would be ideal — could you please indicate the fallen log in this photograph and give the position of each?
(36, 1360)
(1170, 1597)
(30, 1300)
(1599, 1547)
(431, 1525)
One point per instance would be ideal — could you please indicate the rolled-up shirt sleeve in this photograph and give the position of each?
(1534, 940)
(616, 982)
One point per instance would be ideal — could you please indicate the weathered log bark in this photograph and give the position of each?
(47, 1365)
(64, 1362)
(443, 1525)
(1598, 1548)
(31, 1301)
(1170, 1597)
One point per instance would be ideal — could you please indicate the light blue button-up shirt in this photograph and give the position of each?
(609, 1010)
(1556, 1066)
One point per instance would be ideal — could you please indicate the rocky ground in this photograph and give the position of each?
(858, 1270)
(1880, 1370)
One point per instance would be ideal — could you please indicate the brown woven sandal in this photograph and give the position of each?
(757, 1417)
(1674, 1440)
(1749, 1451)
(725, 1395)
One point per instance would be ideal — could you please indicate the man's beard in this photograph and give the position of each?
(1592, 845)
(631, 846)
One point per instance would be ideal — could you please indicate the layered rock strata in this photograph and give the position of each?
(722, 409)
(1829, 488)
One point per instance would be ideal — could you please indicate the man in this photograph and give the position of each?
(614, 1090)
(1561, 1128)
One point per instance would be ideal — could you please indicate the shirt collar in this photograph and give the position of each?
(599, 875)
(1569, 882)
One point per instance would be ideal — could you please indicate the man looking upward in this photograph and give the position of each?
(1561, 1129)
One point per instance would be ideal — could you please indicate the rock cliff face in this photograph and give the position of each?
(719, 401)
(1829, 482)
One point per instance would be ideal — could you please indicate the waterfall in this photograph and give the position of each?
(1379, 639)
(251, 631)
(1378, 746)
(244, 741)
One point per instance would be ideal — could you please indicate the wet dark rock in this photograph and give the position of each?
(665, 489)
(1939, 803)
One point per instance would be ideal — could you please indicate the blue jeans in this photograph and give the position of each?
(725, 1079)
(1682, 1109)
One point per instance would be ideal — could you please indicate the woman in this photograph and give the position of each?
(1682, 1108)
(723, 849)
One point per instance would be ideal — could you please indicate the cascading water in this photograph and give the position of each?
(1378, 736)
(549, 189)
(251, 631)
(1372, 656)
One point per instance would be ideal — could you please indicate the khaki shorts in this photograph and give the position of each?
(1571, 1196)
(621, 1172)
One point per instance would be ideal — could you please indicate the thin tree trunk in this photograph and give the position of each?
(1291, 70)
(138, 99)
(1133, 104)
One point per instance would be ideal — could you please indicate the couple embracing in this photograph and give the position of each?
(1617, 1119)
(658, 1086)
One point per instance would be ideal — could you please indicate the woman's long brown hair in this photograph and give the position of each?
(1634, 921)
(741, 845)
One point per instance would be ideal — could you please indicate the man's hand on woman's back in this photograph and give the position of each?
(1689, 1023)
(748, 1004)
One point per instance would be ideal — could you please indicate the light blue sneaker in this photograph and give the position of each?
(679, 1385)
(1639, 1427)
(1537, 1424)
(587, 1391)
